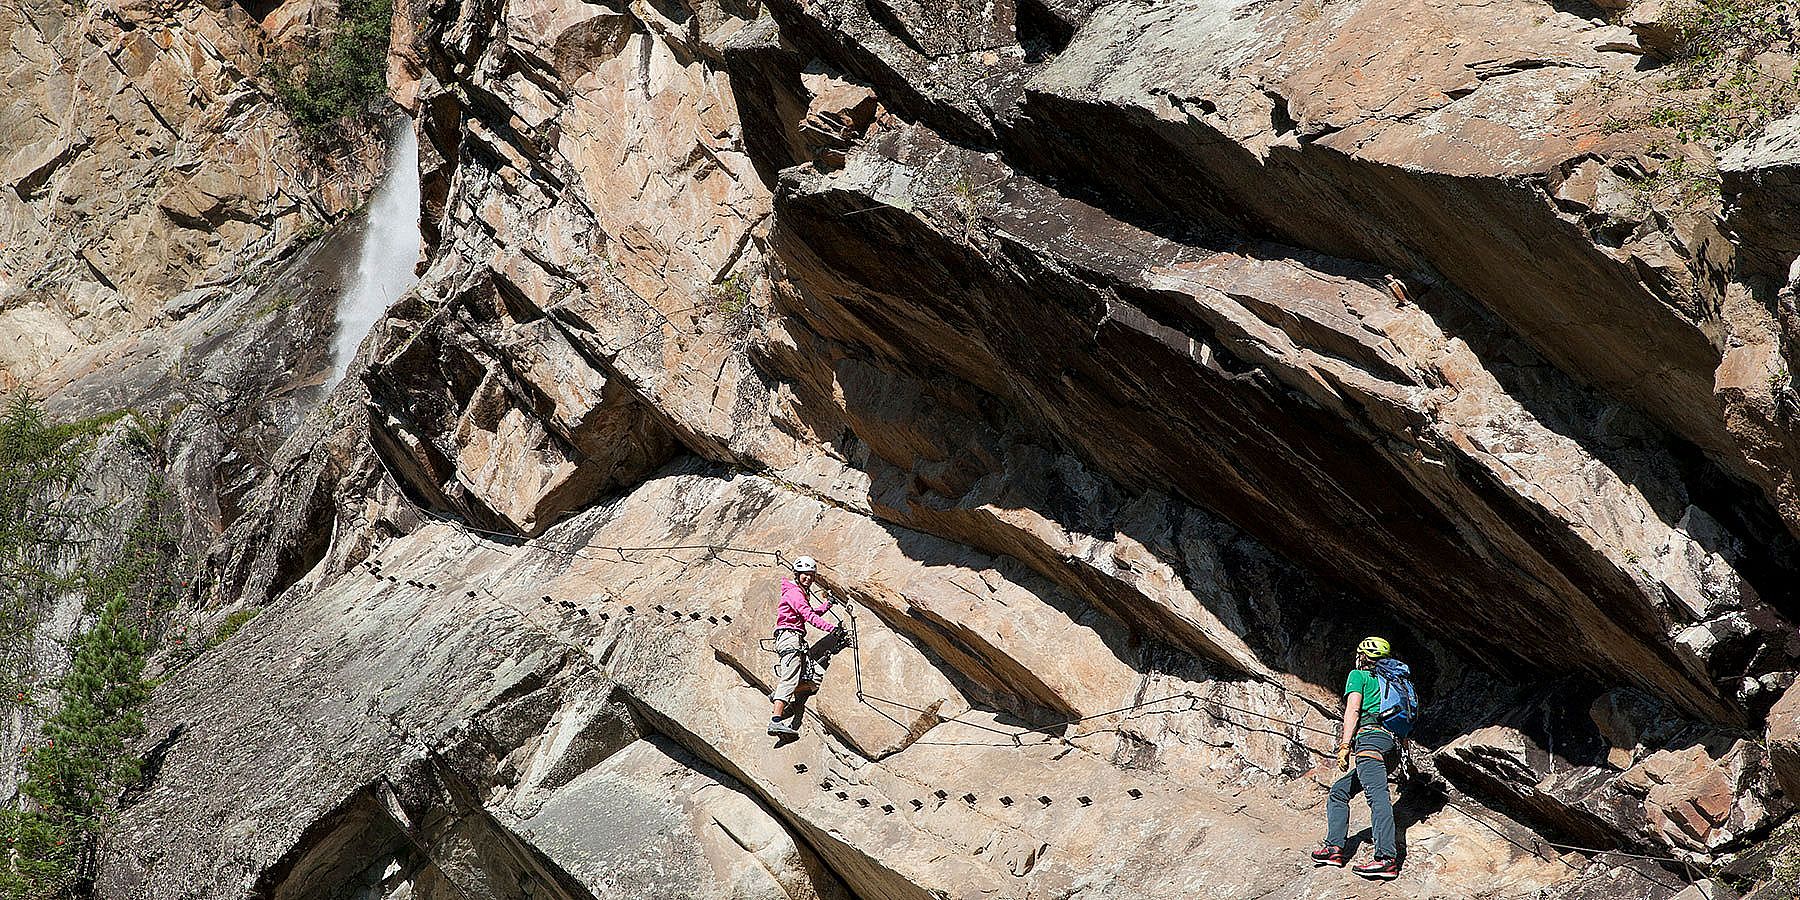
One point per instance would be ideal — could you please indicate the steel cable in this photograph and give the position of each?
(1014, 737)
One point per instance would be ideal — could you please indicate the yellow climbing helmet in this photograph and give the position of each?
(1374, 648)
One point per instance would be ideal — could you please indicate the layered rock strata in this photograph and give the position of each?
(1125, 363)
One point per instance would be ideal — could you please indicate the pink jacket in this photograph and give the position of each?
(795, 610)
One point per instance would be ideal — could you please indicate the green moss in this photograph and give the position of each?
(231, 625)
(276, 304)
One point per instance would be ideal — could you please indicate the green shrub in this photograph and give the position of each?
(1722, 87)
(346, 70)
(738, 314)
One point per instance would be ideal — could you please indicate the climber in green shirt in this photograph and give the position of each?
(1364, 683)
(1371, 743)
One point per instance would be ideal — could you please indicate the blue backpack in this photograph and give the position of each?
(1399, 700)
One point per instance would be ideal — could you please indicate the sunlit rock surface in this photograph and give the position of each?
(1123, 364)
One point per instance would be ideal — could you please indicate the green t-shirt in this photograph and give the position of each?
(1365, 681)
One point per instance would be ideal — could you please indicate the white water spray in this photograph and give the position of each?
(389, 253)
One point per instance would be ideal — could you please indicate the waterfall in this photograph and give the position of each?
(389, 252)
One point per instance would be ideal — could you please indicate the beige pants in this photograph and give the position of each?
(792, 665)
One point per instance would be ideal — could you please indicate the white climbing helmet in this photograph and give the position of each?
(805, 564)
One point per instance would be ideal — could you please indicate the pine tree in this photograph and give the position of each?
(83, 763)
(38, 464)
(72, 780)
(74, 774)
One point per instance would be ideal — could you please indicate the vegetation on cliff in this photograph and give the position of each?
(344, 71)
(1736, 68)
(39, 465)
(74, 777)
(79, 763)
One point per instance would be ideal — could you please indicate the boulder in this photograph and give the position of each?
(1657, 26)
(1691, 797)
(1784, 742)
(1761, 179)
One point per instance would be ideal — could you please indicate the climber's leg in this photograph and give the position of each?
(1337, 811)
(790, 665)
(1372, 750)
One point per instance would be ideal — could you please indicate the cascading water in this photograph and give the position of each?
(390, 251)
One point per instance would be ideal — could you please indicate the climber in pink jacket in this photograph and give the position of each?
(793, 664)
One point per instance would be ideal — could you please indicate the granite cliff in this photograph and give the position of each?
(1124, 363)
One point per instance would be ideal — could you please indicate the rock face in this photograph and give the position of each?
(168, 264)
(1659, 781)
(1123, 363)
(141, 161)
(170, 242)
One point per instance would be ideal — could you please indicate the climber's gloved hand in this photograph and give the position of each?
(1343, 757)
(849, 637)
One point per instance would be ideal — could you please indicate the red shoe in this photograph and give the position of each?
(1327, 855)
(1384, 869)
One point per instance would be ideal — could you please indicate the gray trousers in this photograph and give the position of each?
(793, 664)
(1372, 774)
